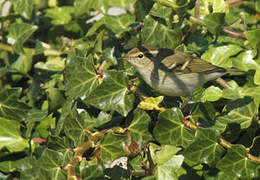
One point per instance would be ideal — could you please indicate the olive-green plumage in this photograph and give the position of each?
(172, 73)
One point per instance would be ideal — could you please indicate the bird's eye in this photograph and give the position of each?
(140, 56)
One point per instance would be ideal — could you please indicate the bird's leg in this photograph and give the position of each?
(186, 102)
(223, 83)
(187, 107)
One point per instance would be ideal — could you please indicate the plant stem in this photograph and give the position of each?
(47, 52)
(77, 158)
(224, 143)
(234, 34)
(253, 158)
(6, 47)
(79, 151)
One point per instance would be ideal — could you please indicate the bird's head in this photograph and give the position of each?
(141, 57)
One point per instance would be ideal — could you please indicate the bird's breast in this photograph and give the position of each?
(171, 84)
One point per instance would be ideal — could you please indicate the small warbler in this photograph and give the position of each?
(173, 73)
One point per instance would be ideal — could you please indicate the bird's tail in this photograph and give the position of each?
(235, 72)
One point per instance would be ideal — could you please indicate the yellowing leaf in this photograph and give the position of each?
(151, 103)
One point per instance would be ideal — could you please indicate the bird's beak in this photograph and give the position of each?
(126, 58)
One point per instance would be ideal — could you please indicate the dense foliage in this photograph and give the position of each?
(69, 108)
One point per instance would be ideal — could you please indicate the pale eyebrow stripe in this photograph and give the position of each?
(149, 52)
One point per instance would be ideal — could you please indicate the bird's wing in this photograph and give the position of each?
(182, 63)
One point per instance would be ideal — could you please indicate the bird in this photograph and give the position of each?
(171, 72)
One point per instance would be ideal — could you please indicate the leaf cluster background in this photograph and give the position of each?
(69, 108)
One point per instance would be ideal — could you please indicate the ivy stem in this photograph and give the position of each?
(79, 151)
(141, 173)
(234, 34)
(253, 158)
(77, 158)
(224, 143)
(6, 47)
(190, 124)
(47, 52)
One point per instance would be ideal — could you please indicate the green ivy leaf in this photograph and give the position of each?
(241, 111)
(257, 77)
(257, 6)
(166, 160)
(50, 164)
(204, 114)
(18, 34)
(251, 91)
(245, 61)
(241, 92)
(123, 4)
(11, 107)
(83, 6)
(55, 98)
(34, 116)
(156, 33)
(161, 12)
(51, 160)
(162, 154)
(205, 148)
(90, 171)
(111, 147)
(214, 6)
(236, 164)
(220, 56)
(112, 94)
(23, 8)
(119, 24)
(170, 129)
(215, 174)
(60, 15)
(10, 136)
(52, 64)
(98, 43)
(215, 22)
(16, 165)
(82, 81)
(45, 126)
(253, 37)
(95, 27)
(23, 64)
(168, 169)
(75, 125)
(212, 93)
(142, 8)
(139, 127)
(59, 144)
